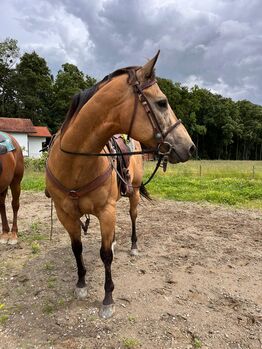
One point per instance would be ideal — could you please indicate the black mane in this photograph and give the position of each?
(80, 99)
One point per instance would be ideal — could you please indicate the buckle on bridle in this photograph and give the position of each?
(158, 136)
(166, 149)
(73, 194)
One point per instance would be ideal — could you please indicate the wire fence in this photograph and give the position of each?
(214, 169)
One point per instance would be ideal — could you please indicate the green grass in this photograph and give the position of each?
(131, 319)
(34, 234)
(48, 308)
(236, 183)
(4, 316)
(51, 282)
(130, 343)
(214, 169)
(49, 266)
(35, 247)
(197, 343)
(3, 319)
(33, 180)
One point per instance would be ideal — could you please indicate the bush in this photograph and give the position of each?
(36, 164)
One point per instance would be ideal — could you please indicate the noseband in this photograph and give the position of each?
(164, 148)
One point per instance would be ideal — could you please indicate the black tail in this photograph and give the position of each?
(143, 192)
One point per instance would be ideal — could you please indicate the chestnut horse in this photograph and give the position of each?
(80, 180)
(11, 174)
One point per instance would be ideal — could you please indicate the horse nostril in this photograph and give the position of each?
(192, 149)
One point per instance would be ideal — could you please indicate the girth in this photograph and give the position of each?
(81, 191)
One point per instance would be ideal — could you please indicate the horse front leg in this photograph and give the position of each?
(107, 221)
(5, 227)
(73, 228)
(77, 247)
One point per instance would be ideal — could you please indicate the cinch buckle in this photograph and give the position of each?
(73, 194)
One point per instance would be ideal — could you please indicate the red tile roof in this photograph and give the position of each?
(20, 125)
(40, 131)
(16, 125)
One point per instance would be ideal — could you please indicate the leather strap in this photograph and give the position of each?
(172, 127)
(77, 193)
(133, 115)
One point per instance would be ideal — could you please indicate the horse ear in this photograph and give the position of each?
(147, 70)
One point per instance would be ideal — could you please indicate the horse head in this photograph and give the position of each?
(153, 122)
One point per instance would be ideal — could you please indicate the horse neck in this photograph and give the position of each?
(98, 120)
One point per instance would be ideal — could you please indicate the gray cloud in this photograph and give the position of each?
(216, 44)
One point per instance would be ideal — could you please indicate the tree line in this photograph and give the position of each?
(220, 127)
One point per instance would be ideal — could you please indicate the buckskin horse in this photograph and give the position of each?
(11, 174)
(80, 179)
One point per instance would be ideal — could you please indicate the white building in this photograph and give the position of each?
(30, 138)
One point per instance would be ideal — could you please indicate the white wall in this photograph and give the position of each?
(22, 139)
(35, 144)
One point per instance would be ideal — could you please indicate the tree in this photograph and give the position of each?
(9, 53)
(69, 81)
(90, 81)
(34, 88)
(251, 136)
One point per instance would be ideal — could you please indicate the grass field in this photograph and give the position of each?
(237, 183)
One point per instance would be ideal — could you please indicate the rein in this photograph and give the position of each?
(147, 181)
(145, 151)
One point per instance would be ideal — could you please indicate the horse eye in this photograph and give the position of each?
(162, 103)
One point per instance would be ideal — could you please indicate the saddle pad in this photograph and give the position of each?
(6, 141)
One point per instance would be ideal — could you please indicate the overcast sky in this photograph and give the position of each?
(216, 44)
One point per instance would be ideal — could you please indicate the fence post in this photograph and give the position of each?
(200, 170)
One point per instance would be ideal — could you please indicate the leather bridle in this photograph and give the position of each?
(164, 148)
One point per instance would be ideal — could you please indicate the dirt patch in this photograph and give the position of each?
(196, 283)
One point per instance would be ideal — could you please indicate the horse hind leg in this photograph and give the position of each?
(5, 227)
(134, 200)
(16, 191)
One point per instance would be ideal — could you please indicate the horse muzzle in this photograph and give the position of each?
(176, 154)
